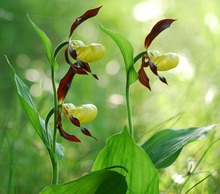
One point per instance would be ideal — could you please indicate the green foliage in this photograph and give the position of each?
(127, 52)
(121, 150)
(33, 116)
(165, 146)
(98, 182)
(199, 108)
(46, 44)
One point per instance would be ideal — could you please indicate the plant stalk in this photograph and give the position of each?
(53, 159)
(129, 110)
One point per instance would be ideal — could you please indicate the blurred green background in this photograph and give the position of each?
(191, 99)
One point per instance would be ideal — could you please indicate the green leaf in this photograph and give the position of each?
(46, 44)
(165, 146)
(127, 52)
(121, 150)
(98, 182)
(32, 114)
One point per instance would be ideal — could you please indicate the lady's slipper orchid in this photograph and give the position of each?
(153, 59)
(81, 54)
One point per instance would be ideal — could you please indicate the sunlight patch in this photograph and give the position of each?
(116, 99)
(212, 21)
(33, 75)
(210, 94)
(112, 67)
(147, 10)
(36, 90)
(179, 179)
(184, 68)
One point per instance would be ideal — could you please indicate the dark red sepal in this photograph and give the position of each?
(65, 84)
(163, 79)
(90, 13)
(144, 80)
(67, 136)
(87, 68)
(74, 120)
(143, 62)
(86, 132)
(153, 68)
(156, 30)
(73, 53)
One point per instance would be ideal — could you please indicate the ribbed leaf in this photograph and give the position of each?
(98, 182)
(32, 114)
(46, 44)
(127, 52)
(165, 146)
(121, 150)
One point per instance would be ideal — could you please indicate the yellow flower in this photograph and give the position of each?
(88, 53)
(164, 62)
(84, 113)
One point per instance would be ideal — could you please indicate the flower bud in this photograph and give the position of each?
(164, 62)
(84, 113)
(88, 53)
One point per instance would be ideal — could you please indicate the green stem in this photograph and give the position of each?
(128, 103)
(54, 160)
(128, 98)
(55, 172)
(139, 56)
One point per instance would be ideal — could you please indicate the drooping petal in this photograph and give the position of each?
(86, 132)
(67, 136)
(154, 70)
(156, 30)
(144, 80)
(86, 67)
(76, 68)
(74, 120)
(65, 84)
(163, 79)
(90, 13)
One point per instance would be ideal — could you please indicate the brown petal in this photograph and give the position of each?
(78, 70)
(86, 67)
(74, 120)
(143, 62)
(163, 79)
(144, 80)
(156, 30)
(65, 84)
(86, 132)
(73, 53)
(90, 13)
(153, 68)
(67, 136)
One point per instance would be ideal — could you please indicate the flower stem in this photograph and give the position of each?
(55, 172)
(53, 158)
(129, 111)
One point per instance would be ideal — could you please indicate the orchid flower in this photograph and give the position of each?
(154, 59)
(78, 55)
